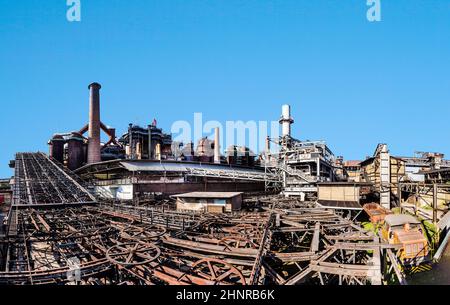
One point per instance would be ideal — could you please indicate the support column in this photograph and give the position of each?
(435, 202)
(318, 169)
(130, 141)
(150, 148)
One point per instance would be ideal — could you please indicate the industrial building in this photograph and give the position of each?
(132, 179)
(124, 168)
(210, 202)
(138, 146)
(141, 209)
(352, 170)
(145, 162)
(301, 164)
(74, 149)
(384, 171)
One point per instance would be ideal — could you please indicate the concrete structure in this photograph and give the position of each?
(216, 145)
(94, 155)
(211, 202)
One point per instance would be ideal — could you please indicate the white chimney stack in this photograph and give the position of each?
(286, 120)
(216, 146)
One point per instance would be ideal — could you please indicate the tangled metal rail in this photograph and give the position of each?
(40, 181)
(285, 243)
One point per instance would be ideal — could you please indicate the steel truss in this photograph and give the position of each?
(40, 181)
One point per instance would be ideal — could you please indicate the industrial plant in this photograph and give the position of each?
(143, 209)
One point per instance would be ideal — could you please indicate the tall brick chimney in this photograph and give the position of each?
(94, 155)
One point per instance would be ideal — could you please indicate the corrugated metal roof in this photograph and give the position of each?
(181, 167)
(153, 166)
(215, 195)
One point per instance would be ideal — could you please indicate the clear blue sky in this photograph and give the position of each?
(350, 82)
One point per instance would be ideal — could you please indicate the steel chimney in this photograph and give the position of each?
(94, 155)
(286, 120)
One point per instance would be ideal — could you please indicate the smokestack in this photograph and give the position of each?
(94, 124)
(216, 145)
(286, 121)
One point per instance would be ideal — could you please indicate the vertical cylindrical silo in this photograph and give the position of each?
(57, 148)
(75, 151)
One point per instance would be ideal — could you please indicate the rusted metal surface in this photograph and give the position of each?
(132, 254)
(40, 182)
(376, 212)
(282, 244)
(218, 271)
